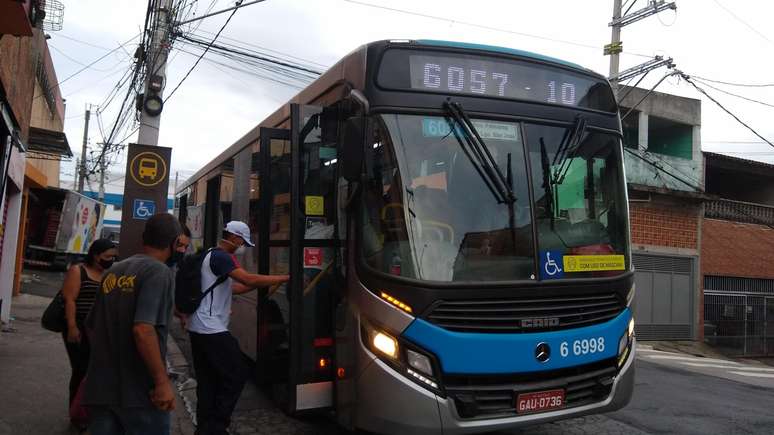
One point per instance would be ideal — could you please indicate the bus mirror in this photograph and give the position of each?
(352, 149)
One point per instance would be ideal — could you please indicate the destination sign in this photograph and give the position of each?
(476, 75)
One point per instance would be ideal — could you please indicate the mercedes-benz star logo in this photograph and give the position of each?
(542, 352)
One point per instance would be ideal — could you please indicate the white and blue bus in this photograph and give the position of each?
(454, 220)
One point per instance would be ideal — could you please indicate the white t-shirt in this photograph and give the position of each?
(214, 312)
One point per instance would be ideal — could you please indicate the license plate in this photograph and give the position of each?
(539, 401)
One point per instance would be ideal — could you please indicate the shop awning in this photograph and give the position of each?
(49, 142)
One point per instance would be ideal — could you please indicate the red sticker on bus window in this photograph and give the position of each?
(312, 256)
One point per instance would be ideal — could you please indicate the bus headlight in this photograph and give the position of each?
(419, 362)
(385, 344)
(625, 343)
(403, 356)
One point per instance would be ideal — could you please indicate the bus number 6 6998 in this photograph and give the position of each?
(583, 347)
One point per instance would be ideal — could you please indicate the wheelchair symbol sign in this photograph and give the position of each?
(551, 266)
(143, 209)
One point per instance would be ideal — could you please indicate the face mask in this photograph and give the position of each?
(240, 250)
(175, 258)
(105, 264)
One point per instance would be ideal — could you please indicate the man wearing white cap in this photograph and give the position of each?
(221, 371)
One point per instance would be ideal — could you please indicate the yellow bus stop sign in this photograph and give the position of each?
(148, 169)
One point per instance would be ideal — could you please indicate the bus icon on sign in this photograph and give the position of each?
(148, 168)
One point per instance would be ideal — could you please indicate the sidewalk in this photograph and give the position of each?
(34, 374)
(255, 414)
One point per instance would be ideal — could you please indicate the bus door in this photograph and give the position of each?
(313, 263)
(274, 216)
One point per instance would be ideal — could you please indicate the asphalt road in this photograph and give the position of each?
(674, 394)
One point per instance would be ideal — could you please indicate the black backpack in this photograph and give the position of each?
(188, 282)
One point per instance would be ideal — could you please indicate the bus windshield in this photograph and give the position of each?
(432, 213)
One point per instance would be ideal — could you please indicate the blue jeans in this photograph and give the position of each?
(110, 420)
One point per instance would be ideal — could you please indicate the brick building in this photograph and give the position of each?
(31, 123)
(665, 176)
(737, 256)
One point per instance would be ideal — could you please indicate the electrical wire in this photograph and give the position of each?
(687, 78)
(51, 88)
(253, 55)
(202, 55)
(648, 93)
(745, 85)
(485, 27)
(630, 8)
(76, 61)
(745, 23)
(735, 95)
(250, 46)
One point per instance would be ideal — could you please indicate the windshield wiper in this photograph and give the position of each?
(547, 182)
(570, 144)
(483, 162)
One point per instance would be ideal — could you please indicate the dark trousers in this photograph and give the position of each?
(221, 373)
(128, 421)
(78, 353)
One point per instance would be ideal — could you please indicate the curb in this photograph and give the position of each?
(184, 418)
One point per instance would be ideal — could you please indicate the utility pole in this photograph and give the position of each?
(102, 165)
(621, 19)
(616, 47)
(77, 168)
(82, 167)
(155, 77)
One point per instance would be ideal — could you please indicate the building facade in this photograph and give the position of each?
(31, 120)
(665, 176)
(737, 256)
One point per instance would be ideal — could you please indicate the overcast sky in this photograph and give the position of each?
(714, 39)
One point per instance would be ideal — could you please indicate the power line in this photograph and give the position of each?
(202, 55)
(737, 18)
(79, 62)
(261, 57)
(90, 65)
(631, 109)
(60, 35)
(735, 95)
(485, 27)
(245, 45)
(747, 85)
(687, 78)
(660, 168)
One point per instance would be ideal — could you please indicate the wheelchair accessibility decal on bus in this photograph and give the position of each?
(551, 266)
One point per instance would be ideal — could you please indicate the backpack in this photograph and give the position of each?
(188, 282)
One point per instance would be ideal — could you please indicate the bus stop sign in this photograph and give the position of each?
(145, 193)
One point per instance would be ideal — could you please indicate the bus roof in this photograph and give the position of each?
(506, 50)
(350, 69)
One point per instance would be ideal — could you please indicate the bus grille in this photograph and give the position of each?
(525, 315)
(495, 395)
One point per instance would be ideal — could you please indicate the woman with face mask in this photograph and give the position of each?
(79, 291)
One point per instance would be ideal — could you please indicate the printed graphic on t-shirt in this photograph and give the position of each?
(124, 283)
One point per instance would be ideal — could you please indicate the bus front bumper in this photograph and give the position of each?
(389, 403)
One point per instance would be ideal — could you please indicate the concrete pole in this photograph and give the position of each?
(157, 66)
(82, 167)
(614, 40)
(77, 169)
(102, 165)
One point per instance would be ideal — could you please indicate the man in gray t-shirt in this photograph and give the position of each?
(127, 387)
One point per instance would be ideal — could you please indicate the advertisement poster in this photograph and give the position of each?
(195, 223)
(85, 224)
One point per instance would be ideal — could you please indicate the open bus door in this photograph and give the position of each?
(295, 346)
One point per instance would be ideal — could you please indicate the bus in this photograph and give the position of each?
(454, 220)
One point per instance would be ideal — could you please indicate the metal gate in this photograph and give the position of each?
(739, 315)
(665, 297)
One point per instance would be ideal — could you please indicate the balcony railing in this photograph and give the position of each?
(739, 212)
